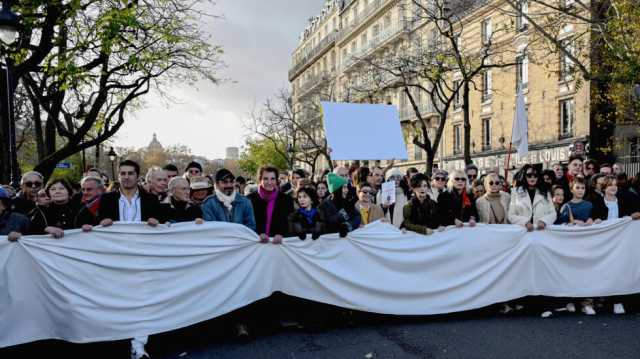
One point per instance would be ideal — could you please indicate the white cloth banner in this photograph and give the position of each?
(131, 280)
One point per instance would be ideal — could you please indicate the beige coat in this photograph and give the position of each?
(521, 210)
(375, 212)
(484, 208)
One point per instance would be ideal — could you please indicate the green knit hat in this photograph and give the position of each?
(335, 182)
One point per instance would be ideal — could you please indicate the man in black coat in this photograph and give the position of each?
(130, 204)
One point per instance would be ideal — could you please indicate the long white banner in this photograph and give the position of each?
(131, 280)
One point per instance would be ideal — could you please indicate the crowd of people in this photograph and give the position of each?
(290, 204)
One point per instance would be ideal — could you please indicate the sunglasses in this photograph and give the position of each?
(366, 192)
(491, 183)
(472, 176)
(532, 175)
(33, 184)
(440, 179)
(460, 179)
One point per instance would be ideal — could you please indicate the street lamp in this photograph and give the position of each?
(112, 158)
(9, 24)
(9, 27)
(290, 154)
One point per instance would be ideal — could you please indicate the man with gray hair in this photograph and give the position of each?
(92, 188)
(157, 182)
(25, 201)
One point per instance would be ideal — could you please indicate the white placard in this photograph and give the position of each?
(388, 192)
(363, 132)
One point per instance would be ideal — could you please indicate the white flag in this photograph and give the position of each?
(520, 133)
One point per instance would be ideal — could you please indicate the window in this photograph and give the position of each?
(376, 30)
(635, 149)
(387, 21)
(522, 11)
(456, 99)
(522, 71)
(457, 139)
(417, 152)
(486, 31)
(567, 66)
(486, 134)
(363, 40)
(487, 85)
(567, 118)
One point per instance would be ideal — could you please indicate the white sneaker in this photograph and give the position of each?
(547, 314)
(618, 308)
(588, 309)
(571, 307)
(506, 309)
(137, 348)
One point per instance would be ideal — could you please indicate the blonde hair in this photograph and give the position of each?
(174, 182)
(452, 178)
(488, 179)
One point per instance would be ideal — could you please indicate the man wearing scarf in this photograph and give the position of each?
(271, 207)
(226, 205)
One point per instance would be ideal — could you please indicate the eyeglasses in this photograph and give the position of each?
(460, 179)
(439, 179)
(532, 175)
(491, 183)
(33, 184)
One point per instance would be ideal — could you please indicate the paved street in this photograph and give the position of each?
(474, 335)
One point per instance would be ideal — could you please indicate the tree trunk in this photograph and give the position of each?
(467, 123)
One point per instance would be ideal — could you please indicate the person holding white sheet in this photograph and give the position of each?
(419, 213)
(369, 212)
(493, 206)
(531, 204)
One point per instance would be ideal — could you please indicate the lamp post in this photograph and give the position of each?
(290, 153)
(9, 26)
(112, 158)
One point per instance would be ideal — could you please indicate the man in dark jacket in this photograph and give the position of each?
(130, 204)
(12, 224)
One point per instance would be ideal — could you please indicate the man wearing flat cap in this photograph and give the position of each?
(226, 205)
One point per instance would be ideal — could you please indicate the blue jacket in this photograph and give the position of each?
(13, 222)
(241, 211)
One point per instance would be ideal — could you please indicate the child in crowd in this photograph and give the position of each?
(557, 191)
(419, 212)
(307, 218)
(577, 210)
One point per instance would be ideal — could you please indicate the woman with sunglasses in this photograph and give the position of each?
(531, 204)
(369, 211)
(493, 206)
(438, 184)
(457, 206)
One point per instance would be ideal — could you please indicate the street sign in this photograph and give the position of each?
(64, 165)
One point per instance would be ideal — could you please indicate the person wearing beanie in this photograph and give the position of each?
(307, 219)
(271, 208)
(339, 208)
(193, 169)
(12, 224)
(403, 193)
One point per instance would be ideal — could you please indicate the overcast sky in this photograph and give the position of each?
(258, 37)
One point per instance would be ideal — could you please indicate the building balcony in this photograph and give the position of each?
(408, 114)
(361, 18)
(313, 82)
(312, 55)
(377, 42)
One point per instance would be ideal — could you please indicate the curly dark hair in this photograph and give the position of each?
(521, 180)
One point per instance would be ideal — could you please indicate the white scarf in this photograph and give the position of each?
(226, 200)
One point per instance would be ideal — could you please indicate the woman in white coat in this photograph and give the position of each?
(531, 205)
